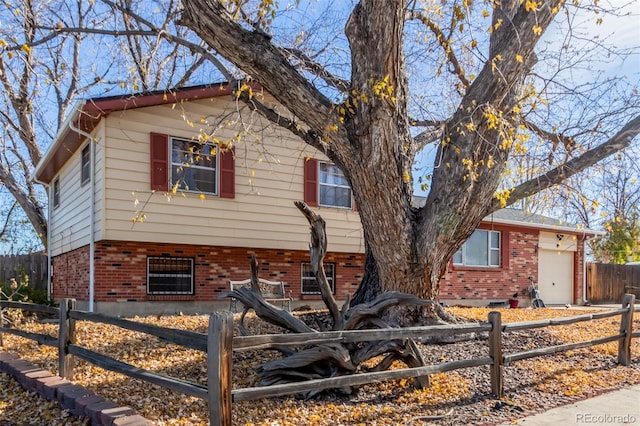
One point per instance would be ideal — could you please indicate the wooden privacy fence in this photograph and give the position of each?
(33, 265)
(608, 282)
(219, 345)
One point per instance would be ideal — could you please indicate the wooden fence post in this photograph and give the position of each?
(626, 327)
(495, 352)
(1, 325)
(66, 336)
(219, 351)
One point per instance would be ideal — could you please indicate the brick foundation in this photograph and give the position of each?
(121, 271)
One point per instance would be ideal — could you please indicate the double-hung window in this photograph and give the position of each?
(56, 192)
(481, 249)
(333, 188)
(170, 275)
(85, 170)
(309, 282)
(194, 166)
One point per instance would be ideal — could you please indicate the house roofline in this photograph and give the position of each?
(525, 220)
(87, 114)
(547, 227)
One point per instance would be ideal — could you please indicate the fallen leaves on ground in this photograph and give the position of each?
(19, 407)
(530, 385)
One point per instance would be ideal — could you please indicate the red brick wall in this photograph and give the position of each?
(121, 270)
(70, 275)
(519, 260)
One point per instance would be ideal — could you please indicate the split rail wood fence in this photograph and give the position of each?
(219, 344)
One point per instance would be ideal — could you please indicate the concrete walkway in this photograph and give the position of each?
(621, 407)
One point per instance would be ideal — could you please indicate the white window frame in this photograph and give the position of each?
(85, 167)
(306, 277)
(56, 192)
(332, 185)
(461, 258)
(178, 276)
(215, 166)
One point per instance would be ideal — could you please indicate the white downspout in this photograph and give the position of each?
(49, 215)
(584, 269)
(92, 199)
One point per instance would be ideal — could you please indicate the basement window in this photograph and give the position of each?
(170, 275)
(309, 283)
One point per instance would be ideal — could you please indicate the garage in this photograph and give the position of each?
(555, 268)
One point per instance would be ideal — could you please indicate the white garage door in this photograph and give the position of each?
(555, 276)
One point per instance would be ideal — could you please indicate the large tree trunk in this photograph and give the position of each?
(380, 172)
(408, 247)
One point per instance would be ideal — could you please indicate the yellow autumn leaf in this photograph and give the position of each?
(530, 6)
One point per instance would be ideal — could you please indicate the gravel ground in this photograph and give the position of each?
(462, 396)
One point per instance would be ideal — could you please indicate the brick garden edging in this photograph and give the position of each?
(80, 401)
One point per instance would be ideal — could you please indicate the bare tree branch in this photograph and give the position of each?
(153, 31)
(260, 59)
(318, 70)
(553, 177)
(428, 136)
(278, 119)
(56, 31)
(445, 43)
(569, 142)
(3, 231)
(426, 123)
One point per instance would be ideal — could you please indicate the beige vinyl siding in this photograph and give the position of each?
(99, 181)
(269, 178)
(70, 220)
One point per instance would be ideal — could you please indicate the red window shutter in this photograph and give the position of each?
(228, 173)
(505, 245)
(159, 162)
(311, 182)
